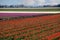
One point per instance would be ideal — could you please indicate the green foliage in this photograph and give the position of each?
(21, 38)
(56, 38)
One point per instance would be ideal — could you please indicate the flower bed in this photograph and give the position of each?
(35, 28)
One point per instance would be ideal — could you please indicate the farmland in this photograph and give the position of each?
(31, 9)
(31, 28)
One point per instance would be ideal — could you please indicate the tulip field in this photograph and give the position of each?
(32, 28)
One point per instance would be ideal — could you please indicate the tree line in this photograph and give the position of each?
(23, 6)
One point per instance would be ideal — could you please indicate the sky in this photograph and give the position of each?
(30, 2)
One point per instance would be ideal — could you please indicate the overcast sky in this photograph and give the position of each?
(29, 2)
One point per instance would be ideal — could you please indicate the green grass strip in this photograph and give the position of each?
(29, 9)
